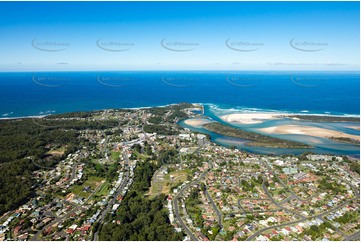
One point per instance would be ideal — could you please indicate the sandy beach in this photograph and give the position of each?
(250, 118)
(307, 130)
(196, 122)
(24, 117)
(353, 127)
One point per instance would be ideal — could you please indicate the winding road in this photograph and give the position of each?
(253, 236)
(113, 200)
(176, 205)
(59, 219)
(265, 189)
(215, 207)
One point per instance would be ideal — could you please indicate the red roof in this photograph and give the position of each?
(84, 228)
(17, 229)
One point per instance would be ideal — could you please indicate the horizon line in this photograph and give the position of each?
(175, 70)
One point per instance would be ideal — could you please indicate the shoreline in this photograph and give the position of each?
(195, 122)
(308, 130)
(249, 118)
(94, 110)
(253, 138)
(353, 127)
(274, 114)
(249, 110)
(22, 117)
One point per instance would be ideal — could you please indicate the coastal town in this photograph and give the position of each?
(211, 192)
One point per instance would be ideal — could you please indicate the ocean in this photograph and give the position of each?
(26, 94)
(41, 93)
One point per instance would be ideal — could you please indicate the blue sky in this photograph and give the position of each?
(179, 36)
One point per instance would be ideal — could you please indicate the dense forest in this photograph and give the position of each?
(140, 218)
(346, 140)
(353, 164)
(24, 145)
(324, 118)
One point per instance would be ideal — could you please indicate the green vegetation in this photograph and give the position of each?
(255, 138)
(108, 171)
(87, 187)
(167, 155)
(159, 129)
(71, 115)
(24, 147)
(163, 110)
(316, 232)
(326, 184)
(249, 186)
(349, 217)
(156, 120)
(103, 190)
(317, 118)
(162, 115)
(164, 186)
(141, 218)
(115, 155)
(346, 140)
(177, 114)
(75, 124)
(355, 166)
(29, 144)
(192, 203)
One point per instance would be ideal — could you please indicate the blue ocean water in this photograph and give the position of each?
(39, 93)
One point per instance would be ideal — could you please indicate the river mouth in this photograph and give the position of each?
(315, 137)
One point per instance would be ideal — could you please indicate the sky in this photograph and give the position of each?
(179, 36)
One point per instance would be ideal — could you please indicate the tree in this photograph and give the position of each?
(141, 218)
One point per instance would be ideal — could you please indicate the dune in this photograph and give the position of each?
(307, 130)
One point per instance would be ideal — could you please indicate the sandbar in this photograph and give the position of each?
(307, 130)
(196, 122)
(250, 118)
(353, 127)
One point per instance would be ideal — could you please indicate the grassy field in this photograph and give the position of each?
(93, 182)
(59, 151)
(115, 155)
(102, 191)
(141, 156)
(163, 186)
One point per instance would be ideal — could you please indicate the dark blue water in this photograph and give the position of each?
(26, 94)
